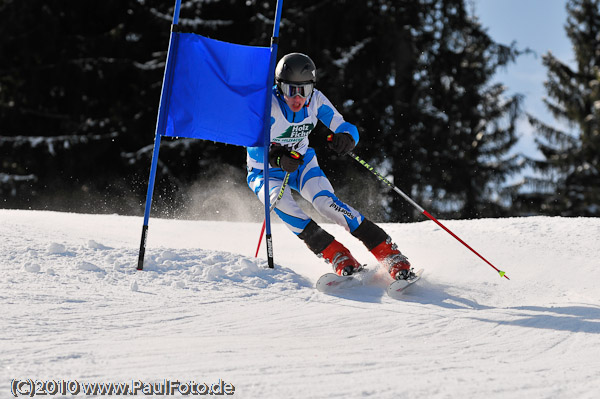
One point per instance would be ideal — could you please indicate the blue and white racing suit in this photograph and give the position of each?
(291, 129)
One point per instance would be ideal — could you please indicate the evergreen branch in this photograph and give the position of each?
(554, 136)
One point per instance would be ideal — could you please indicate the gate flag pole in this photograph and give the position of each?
(160, 122)
(267, 133)
(231, 76)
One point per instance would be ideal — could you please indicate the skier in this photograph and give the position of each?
(296, 106)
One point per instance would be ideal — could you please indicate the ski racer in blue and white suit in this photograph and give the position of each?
(291, 130)
(296, 108)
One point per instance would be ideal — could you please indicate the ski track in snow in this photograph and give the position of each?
(204, 309)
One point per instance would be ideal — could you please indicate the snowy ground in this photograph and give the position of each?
(204, 309)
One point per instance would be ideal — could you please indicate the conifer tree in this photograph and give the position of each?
(569, 181)
(79, 91)
(475, 123)
(84, 78)
(415, 77)
(77, 83)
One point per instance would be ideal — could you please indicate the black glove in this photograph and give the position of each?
(342, 143)
(281, 157)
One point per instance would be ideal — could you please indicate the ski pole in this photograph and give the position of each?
(262, 231)
(423, 211)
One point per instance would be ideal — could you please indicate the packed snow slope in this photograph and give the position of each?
(73, 307)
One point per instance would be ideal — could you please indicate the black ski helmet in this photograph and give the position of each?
(296, 68)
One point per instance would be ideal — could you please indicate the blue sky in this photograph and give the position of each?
(538, 25)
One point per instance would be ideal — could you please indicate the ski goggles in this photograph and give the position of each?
(293, 89)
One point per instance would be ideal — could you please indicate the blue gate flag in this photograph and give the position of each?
(218, 91)
(215, 91)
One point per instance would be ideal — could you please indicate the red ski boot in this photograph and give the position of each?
(397, 264)
(341, 259)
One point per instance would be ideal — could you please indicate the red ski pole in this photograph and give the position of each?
(423, 211)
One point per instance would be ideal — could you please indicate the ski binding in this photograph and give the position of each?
(397, 288)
